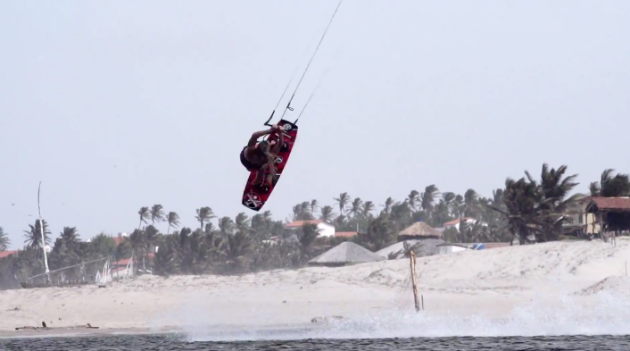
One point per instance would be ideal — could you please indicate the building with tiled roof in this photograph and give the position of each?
(325, 229)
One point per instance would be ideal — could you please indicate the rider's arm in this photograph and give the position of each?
(279, 143)
(255, 136)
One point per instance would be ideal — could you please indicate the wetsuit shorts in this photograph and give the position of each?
(250, 166)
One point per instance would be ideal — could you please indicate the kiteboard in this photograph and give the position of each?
(255, 196)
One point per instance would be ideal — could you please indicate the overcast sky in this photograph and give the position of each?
(115, 105)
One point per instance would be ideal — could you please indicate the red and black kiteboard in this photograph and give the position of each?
(255, 197)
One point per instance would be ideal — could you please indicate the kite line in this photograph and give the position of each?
(289, 107)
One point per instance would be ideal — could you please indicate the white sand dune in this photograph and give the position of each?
(615, 285)
(489, 283)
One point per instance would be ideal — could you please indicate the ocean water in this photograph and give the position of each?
(601, 324)
(180, 342)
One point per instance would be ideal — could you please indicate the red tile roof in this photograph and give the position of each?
(4, 254)
(612, 203)
(125, 261)
(121, 262)
(345, 234)
(302, 223)
(456, 221)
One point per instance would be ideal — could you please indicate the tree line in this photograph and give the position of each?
(523, 209)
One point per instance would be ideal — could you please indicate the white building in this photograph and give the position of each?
(447, 248)
(325, 229)
(455, 223)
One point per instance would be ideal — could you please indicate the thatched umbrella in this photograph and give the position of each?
(419, 230)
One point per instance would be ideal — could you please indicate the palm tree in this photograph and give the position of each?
(413, 199)
(63, 256)
(103, 245)
(538, 209)
(260, 226)
(594, 188)
(342, 200)
(144, 215)
(4, 240)
(428, 197)
(166, 260)
(380, 233)
(326, 214)
(123, 250)
(157, 213)
(356, 207)
(33, 236)
(473, 232)
(389, 202)
(448, 198)
(151, 237)
(137, 239)
(70, 236)
(306, 237)
(401, 214)
(210, 229)
(520, 199)
(302, 212)
(552, 184)
(242, 222)
(497, 197)
(173, 221)
(470, 204)
(237, 249)
(340, 221)
(305, 208)
(491, 217)
(226, 226)
(204, 214)
(457, 206)
(368, 207)
(313, 206)
(610, 186)
(554, 189)
(184, 249)
(441, 213)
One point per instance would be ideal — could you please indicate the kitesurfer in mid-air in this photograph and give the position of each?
(261, 156)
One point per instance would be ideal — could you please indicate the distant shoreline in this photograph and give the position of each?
(219, 330)
(62, 332)
(555, 287)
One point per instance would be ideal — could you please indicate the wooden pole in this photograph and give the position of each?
(412, 264)
(601, 226)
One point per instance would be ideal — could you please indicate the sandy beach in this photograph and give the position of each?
(543, 288)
